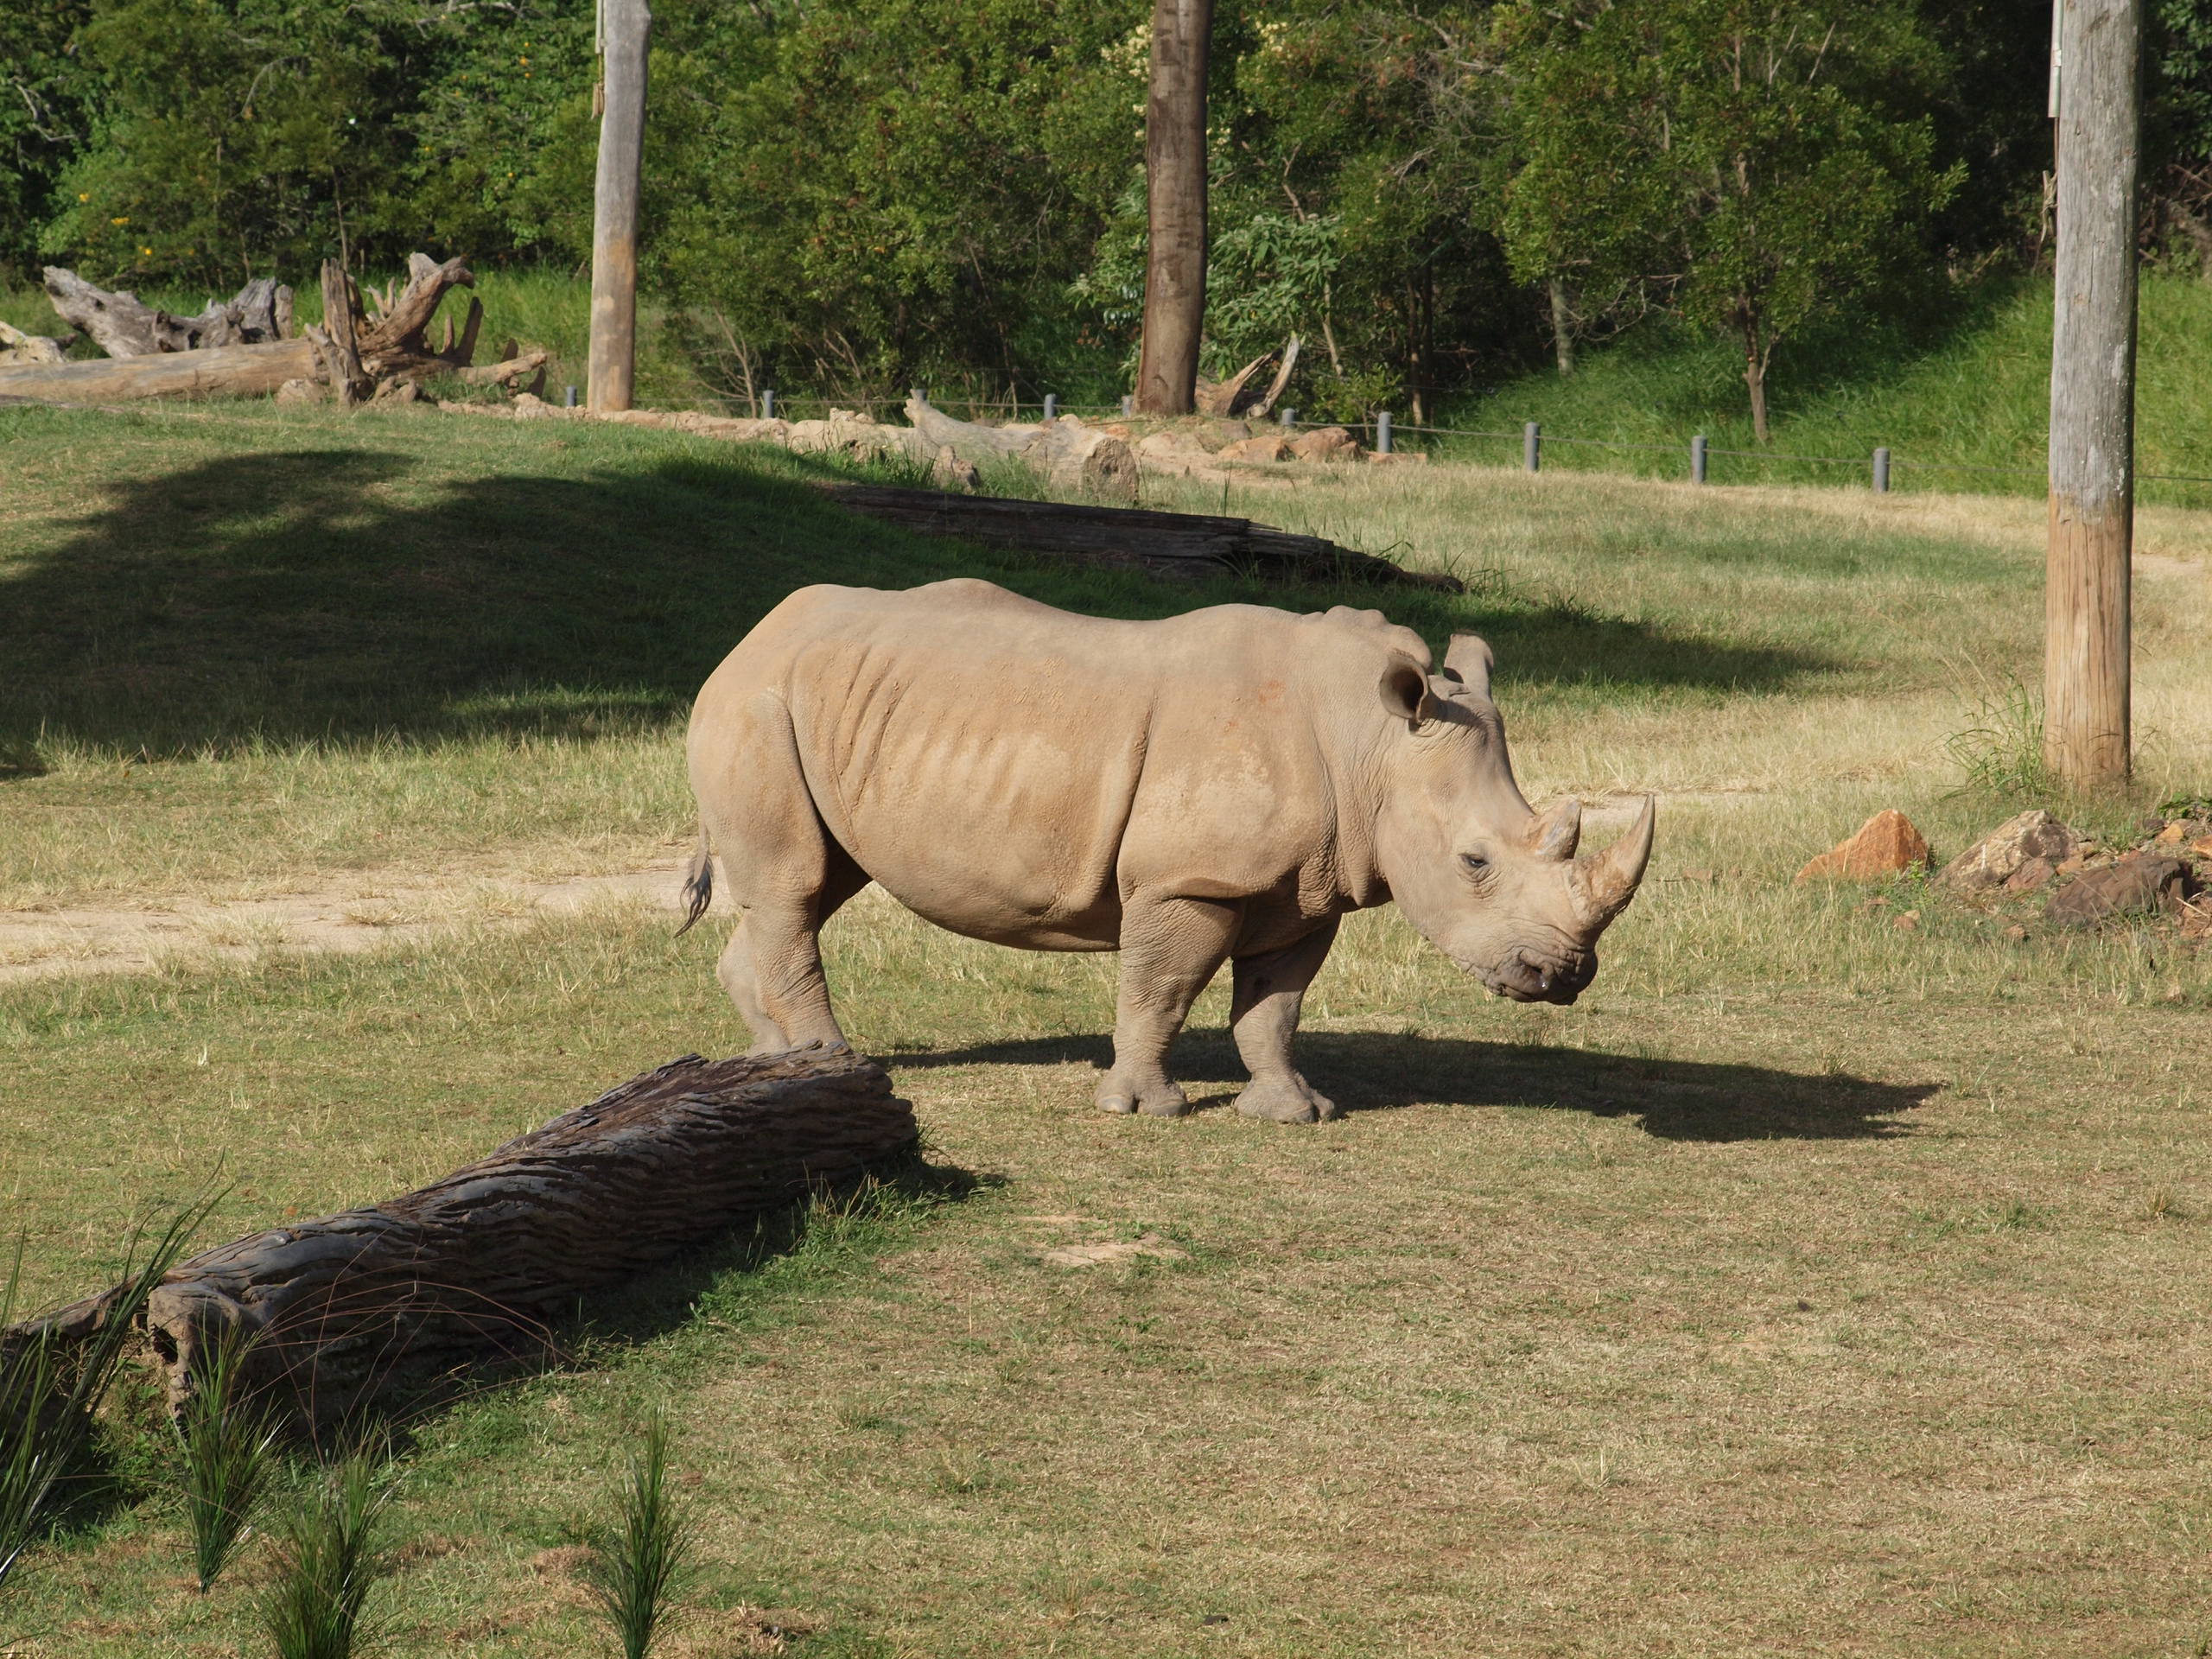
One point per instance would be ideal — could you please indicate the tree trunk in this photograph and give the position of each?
(223, 371)
(1562, 329)
(122, 326)
(1756, 351)
(2087, 598)
(338, 1310)
(625, 28)
(1175, 195)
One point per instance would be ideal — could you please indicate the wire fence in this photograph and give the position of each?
(1382, 430)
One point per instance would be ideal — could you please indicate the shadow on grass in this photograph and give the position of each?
(350, 594)
(1673, 1100)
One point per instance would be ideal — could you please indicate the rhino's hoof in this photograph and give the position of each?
(1285, 1101)
(1156, 1100)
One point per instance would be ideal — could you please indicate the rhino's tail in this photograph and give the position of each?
(699, 884)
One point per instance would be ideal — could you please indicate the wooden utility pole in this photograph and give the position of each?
(625, 28)
(1175, 198)
(2086, 595)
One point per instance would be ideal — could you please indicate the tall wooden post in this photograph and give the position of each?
(2086, 596)
(625, 28)
(1175, 197)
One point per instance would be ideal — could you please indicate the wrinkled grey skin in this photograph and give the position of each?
(1219, 786)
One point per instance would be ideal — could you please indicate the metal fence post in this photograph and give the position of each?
(768, 404)
(1288, 418)
(1697, 459)
(1532, 446)
(919, 394)
(1052, 405)
(1881, 472)
(572, 398)
(1382, 433)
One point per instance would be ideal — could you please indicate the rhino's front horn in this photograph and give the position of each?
(1558, 832)
(1609, 879)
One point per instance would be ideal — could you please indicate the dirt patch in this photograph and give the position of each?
(355, 915)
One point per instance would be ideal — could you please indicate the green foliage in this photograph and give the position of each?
(1762, 165)
(228, 1447)
(43, 111)
(51, 1382)
(330, 1556)
(644, 1559)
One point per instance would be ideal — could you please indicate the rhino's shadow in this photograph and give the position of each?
(1365, 1072)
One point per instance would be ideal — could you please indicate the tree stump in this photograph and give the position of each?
(483, 1263)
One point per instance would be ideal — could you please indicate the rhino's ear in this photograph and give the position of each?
(1469, 661)
(1404, 688)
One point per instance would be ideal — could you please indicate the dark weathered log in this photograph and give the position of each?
(1173, 543)
(123, 326)
(237, 370)
(484, 1262)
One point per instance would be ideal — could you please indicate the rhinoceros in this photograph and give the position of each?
(1222, 785)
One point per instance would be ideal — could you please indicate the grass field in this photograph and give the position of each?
(1812, 1285)
(1959, 391)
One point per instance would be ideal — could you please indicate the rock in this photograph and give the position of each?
(1268, 447)
(2135, 885)
(302, 391)
(734, 429)
(1324, 444)
(396, 391)
(2201, 847)
(1907, 923)
(1997, 857)
(1400, 458)
(2151, 826)
(2173, 834)
(2017, 933)
(1886, 844)
(1218, 435)
(1174, 446)
(2032, 876)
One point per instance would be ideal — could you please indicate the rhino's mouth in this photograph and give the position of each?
(1524, 978)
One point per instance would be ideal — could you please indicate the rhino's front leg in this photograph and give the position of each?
(1170, 948)
(1270, 990)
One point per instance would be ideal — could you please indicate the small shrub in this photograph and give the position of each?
(2002, 752)
(643, 1560)
(228, 1448)
(329, 1557)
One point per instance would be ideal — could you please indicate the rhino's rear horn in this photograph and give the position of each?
(1609, 879)
(1558, 832)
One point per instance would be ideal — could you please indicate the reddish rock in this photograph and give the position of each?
(1997, 856)
(2133, 885)
(2031, 877)
(1886, 844)
(1907, 923)
(1269, 446)
(1324, 444)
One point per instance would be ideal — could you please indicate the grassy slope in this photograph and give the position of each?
(1973, 389)
(1809, 1277)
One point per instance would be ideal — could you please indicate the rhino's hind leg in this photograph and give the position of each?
(1170, 948)
(1270, 991)
(772, 967)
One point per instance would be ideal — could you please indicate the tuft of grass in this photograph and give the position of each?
(53, 1378)
(330, 1555)
(229, 1448)
(2001, 754)
(645, 1557)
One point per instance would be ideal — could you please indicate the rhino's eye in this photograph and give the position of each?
(1473, 863)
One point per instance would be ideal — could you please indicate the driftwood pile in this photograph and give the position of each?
(246, 346)
(485, 1263)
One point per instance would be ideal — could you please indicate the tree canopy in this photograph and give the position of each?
(850, 196)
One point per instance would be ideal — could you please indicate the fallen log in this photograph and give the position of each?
(18, 347)
(1065, 454)
(1176, 543)
(338, 1311)
(123, 326)
(486, 1261)
(243, 370)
